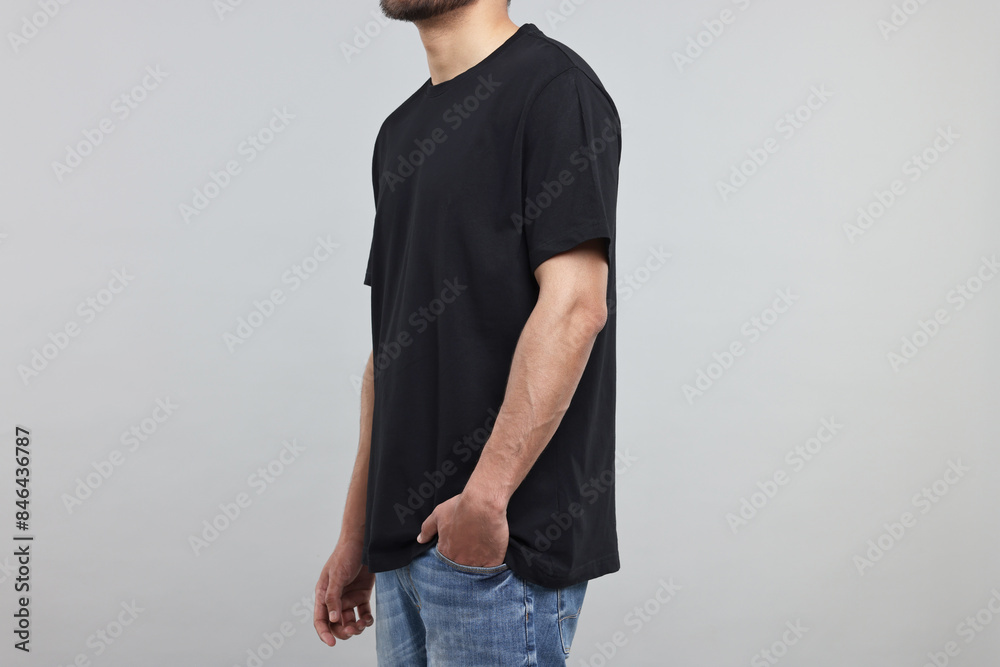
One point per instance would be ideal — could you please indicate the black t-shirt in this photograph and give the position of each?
(477, 181)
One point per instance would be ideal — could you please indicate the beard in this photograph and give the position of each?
(419, 10)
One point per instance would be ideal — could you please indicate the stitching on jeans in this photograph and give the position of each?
(470, 569)
(524, 599)
(562, 639)
(529, 634)
(559, 607)
(416, 593)
(560, 619)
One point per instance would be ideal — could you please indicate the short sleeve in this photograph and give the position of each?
(375, 180)
(572, 149)
(368, 271)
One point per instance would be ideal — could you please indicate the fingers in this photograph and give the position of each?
(336, 596)
(327, 607)
(429, 528)
(350, 626)
(365, 615)
(363, 618)
(341, 614)
(333, 593)
(329, 632)
(354, 623)
(321, 618)
(345, 629)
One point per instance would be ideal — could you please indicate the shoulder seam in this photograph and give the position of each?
(570, 58)
(548, 83)
(548, 40)
(531, 101)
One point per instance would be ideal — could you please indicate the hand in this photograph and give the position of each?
(343, 585)
(471, 530)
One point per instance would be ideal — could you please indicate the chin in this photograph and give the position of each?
(420, 10)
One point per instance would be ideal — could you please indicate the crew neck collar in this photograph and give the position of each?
(432, 90)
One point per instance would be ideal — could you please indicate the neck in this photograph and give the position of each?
(461, 38)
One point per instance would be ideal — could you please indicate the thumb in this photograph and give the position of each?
(334, 591)
(428, 529)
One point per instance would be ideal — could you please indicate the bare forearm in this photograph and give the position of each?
(353, 525)
(548, 362)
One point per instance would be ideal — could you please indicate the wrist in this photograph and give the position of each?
(352, 534)
(491, 497)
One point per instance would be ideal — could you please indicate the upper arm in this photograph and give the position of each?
(577, 279)
(571, 154)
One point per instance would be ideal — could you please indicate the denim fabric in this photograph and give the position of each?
(438, 613)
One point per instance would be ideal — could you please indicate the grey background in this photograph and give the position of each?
(295, 378)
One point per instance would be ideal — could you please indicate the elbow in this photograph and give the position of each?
(591, 315)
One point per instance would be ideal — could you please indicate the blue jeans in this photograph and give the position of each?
(435, 612)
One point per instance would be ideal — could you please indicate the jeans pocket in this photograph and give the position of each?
(468, 569)
(570, 603)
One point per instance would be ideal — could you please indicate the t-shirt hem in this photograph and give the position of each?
(552, 248)
(393, 561)
(591, 570)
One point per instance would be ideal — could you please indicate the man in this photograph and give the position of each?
(482, 496)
